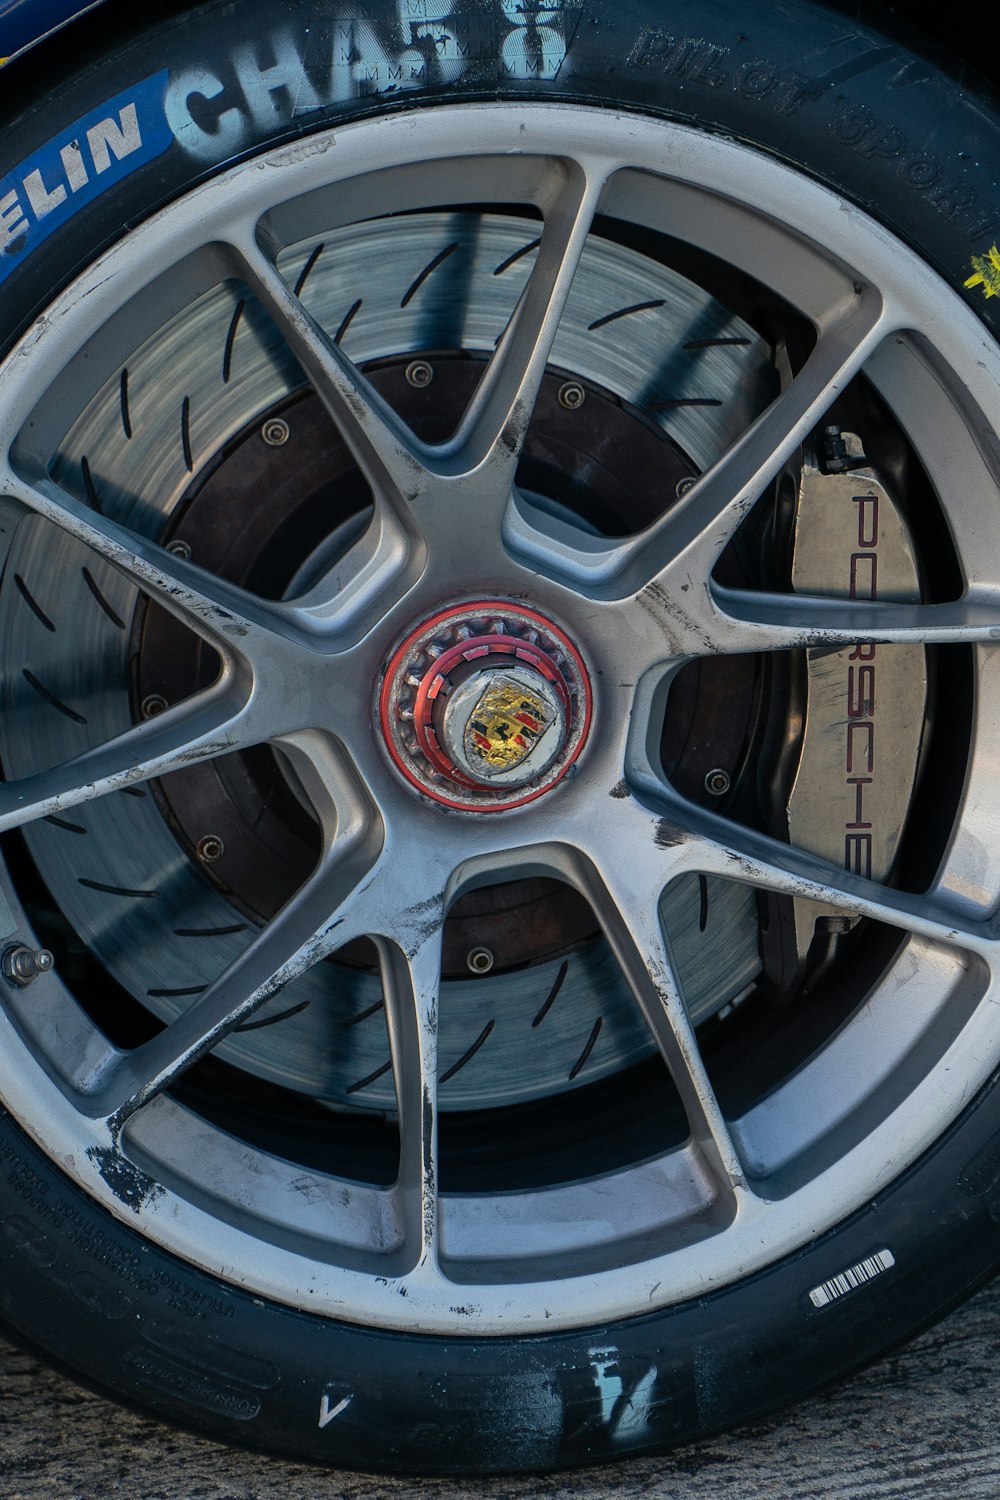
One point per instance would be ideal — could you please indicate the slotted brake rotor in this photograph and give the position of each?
(205, 439)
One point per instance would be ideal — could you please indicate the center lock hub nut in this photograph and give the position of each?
(485, 706)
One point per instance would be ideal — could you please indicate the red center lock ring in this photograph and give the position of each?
(489, 634)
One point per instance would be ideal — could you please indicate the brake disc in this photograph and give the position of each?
(215, 378)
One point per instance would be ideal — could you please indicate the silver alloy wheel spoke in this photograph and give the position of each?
(410, 479)
(719, 846)
(749, 621)
(411, 979)
(210, 724)
(330, 909)
(678, 552)
(372, 574)
(232, 619)
(492, 432)
(395, 463)
(693, 534)
(625, 892)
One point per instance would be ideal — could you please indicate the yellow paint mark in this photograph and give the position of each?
(986, 272)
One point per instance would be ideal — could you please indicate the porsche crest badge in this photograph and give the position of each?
(506, 722)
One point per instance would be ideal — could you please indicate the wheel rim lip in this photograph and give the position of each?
(179, 1225)
(576, 735)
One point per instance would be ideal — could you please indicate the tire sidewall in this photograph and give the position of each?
(90, 1292)
(914, 146)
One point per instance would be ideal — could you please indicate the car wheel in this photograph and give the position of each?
(499, 618)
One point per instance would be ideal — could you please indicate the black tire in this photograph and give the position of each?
(95, 1285)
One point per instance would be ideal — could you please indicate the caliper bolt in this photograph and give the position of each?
(717, 782)
(479, 960)
(572, 395)
(419, 373)
(683, 485)
(835, 926)
(180, 549)
(22, 964)
(153, 704)
(275, 431)
(838, 457)
(211, 848)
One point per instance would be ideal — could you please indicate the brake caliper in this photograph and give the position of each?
(863, 707)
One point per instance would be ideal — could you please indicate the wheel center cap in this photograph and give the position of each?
(485, 706)
(504, 727)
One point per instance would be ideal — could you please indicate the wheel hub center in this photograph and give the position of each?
(485, 706)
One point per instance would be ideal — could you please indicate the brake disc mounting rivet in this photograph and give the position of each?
(21, 964)
(572, 395)
(683, 485)
(419, 373)
(275, 431)
(717, 782)
(153, 704)
(180, 549)
(210, 848)
(479, 960)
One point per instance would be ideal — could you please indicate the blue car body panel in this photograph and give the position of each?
(25, 21)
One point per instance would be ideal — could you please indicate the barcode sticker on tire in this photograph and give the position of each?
(852, 1278)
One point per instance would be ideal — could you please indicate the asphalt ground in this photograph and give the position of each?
(923, 1423)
